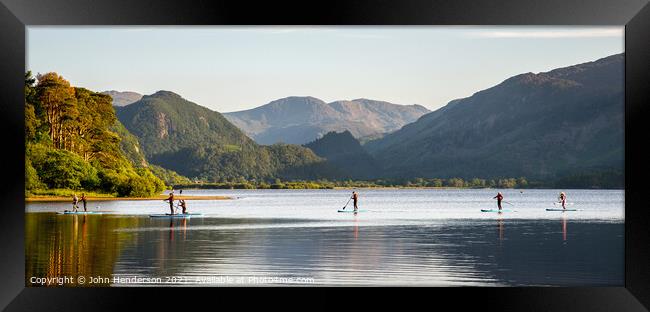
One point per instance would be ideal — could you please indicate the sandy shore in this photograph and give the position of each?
(160, 197)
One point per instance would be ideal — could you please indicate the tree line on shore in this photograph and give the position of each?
(596, 180)
(329, 184)
(70, 144)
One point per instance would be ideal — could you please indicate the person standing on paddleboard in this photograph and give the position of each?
(499, 198)
(75, 201)
(181, 202)
(562, 199)
(171, 201)
(83, 200)
(355, 199)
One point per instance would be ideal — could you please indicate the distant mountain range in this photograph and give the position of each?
(567, 121)
(123, 98)
(562, 125)
(298, 120)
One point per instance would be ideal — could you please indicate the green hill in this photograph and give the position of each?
(200, 143)
(344, 152)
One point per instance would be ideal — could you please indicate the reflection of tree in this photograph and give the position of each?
(74, 245)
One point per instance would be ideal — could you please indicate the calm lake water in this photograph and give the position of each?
(297, 237)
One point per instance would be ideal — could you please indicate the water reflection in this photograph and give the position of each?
(453, 252)
(564, 221)
(73, 245)
(500, 225)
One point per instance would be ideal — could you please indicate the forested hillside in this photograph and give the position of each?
(563, 124)
(73, 142)
(200, 143)
(345, 153)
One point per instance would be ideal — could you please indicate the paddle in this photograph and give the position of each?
(506, 202)
(346, 204)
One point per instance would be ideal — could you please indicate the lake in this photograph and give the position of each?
(427, 237)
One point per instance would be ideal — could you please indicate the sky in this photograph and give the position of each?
(235, 68)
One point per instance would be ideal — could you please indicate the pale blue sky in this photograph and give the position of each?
(235, 68)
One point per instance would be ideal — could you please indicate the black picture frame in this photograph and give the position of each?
(634, 14)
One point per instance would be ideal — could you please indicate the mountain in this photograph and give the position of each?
(298, 120)
(344, 152)
(123, 98)
(130, 146)
(197, 142)
(568, 121)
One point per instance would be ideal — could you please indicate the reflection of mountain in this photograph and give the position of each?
(171, 247)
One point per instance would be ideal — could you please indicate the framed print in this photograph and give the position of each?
(481, 150)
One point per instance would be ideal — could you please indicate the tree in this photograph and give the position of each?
(63, 169)
(91, 127)
(56, 98)
(31, 122)
(522, 182)
(455, 182)
(32, 181)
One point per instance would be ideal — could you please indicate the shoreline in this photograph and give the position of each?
(46, 198)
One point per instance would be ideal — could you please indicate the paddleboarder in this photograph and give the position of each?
(499, 198)
(355, 199)
(83, 200)
(171, 201)
(75, 201)
(181, 202)
(562, 199)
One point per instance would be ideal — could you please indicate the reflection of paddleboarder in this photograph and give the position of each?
(499, 198)
(564, 228)
(356, 227)
(500, 225)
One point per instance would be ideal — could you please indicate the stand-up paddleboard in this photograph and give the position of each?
(352, 210)
(560, 209)
(79, 212)
(176, 215)
(497, 210)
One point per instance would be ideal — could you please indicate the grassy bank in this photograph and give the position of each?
(65, 195)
